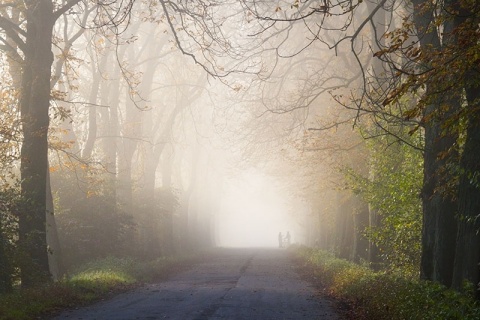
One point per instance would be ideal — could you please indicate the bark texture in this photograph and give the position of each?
(34, 106)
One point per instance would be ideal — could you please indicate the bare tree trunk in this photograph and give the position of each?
(467, 258)
(168, 238)
(344, 228)
(374, 253)
(5, 265)
(92, 110)
(53, 242)
(34, 105)
(360, 223)
(438, 228)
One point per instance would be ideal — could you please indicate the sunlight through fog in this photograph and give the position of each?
(253, 213)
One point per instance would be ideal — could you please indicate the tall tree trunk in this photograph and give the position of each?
(5, 270)
(360, 223)
(439, 224)
(167, 163)
(374, 221)
(130, 131)
(467, 259)
(34, 106)
(374, 254)
(151, 223)
(344, 228)
(378, 69)
(438, 227)
(53, 242)
(92, 110)
(422, 22)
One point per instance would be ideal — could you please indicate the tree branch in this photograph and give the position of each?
(69, 5)
(12, 30)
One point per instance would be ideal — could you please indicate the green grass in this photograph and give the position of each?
(391, 296)
(91, 282)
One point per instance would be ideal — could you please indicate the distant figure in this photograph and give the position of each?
(287, 238)
(280, 240)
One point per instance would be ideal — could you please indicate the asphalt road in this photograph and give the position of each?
(230, 284)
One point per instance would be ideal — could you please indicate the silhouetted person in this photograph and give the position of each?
(287, 238)
(280, 240)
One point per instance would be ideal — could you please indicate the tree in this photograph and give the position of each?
(34, 105)
(429, 52)
(441, 68)
(466, 50)
(29, 40)
(393, 194)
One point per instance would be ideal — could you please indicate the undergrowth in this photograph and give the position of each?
(91, 282)
(392, 296)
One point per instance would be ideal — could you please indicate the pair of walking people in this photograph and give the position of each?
(283, 242)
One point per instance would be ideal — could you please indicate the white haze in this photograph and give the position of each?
(253, 212)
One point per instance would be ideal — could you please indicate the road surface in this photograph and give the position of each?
(230, 284)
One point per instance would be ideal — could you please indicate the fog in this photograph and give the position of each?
(148, 129)
(170, 133)
(253, 212)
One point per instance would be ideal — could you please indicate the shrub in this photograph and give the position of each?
(381, 295)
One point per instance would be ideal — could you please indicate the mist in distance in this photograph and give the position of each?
(253, 212)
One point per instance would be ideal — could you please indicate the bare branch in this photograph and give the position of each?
(13, 30)
(69, 5)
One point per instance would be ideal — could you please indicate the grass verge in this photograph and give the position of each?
(392, 296)
(92, 282)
